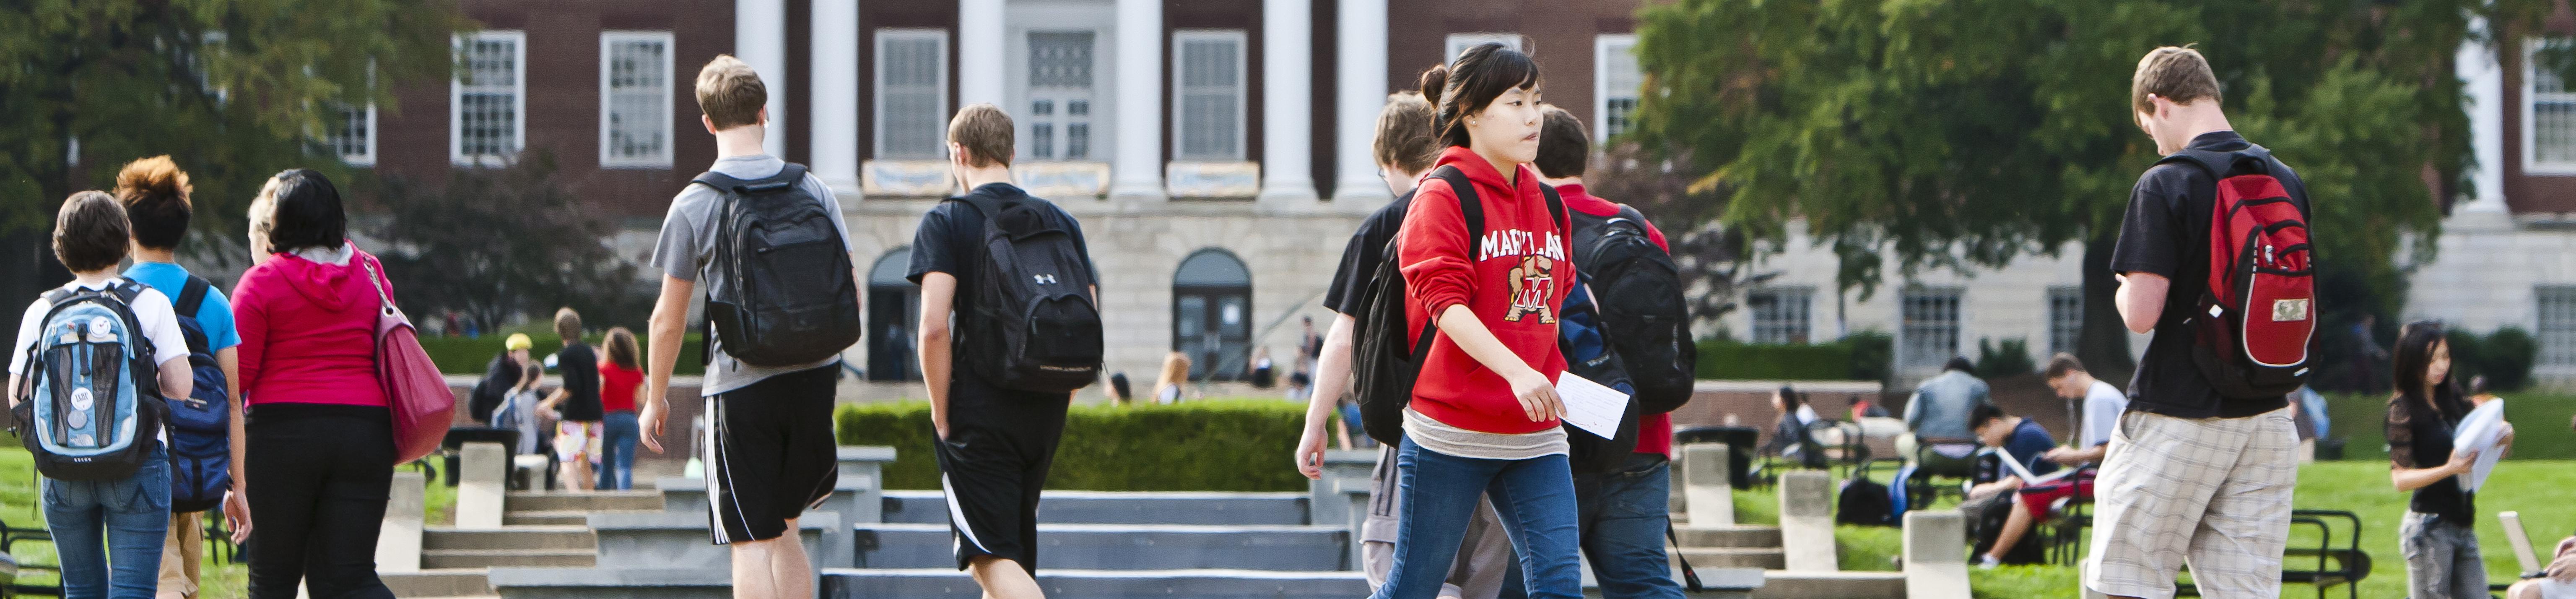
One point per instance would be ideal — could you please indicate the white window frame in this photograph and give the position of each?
(2531, 162)
(368, 158)
(608, 41)
(1788, 300)
(1458, 43)
(1602, 48)
(1242, 92)
(1907, 358)
(2553, 333)
(2053, 294)
(456, 90)
(940, 36)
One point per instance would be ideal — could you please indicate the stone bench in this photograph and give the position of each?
(1807, 521)
(672, 540)
(1123, 547)
(1936, 557)
(1071, 583)
(1122, 507)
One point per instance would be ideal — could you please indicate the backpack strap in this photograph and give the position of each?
(787, 177)
(192, 296)
(1469, 206)
(2221, 165)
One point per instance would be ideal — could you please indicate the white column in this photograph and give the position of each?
(760, 40)
(980, 76)
(1136, 173)
(2483, 80)
(834, 95)
(1363, 92)
(1287, 97)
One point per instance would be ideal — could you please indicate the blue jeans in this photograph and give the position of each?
(1535, 497)
(617, 438)
(1624, 515)
(131, 514)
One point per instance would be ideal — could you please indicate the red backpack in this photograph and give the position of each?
(2260, 311)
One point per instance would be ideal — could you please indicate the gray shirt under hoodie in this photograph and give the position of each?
(687, 248)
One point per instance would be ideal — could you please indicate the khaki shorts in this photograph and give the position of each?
(2213, 492)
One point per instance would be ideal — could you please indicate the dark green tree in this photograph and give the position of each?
(1965, 133)
(495, 244)
(235, 90)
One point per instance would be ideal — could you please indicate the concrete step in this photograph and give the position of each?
(943, 583)
(613, 583)
(854, 496)
(1125, 547)
(486, 558)
(676, 541)
(581, 501)
(1729, 536)
(1735, 557)
(1124, 507)
(511, 537)
(556, 518)
(1780, 584)
(446, 582)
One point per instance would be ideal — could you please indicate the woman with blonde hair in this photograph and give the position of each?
(1176, 373)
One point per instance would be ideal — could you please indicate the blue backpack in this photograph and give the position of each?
(201, 423)
(1591, 355)
(92, 394)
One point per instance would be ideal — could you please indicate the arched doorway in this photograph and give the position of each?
(894, 307)
(1212, 314)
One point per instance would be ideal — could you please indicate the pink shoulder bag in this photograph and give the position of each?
(422, 404)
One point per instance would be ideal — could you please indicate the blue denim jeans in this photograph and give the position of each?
(1535, 498)
(1624, 514)
(617, 437)
(131, 515)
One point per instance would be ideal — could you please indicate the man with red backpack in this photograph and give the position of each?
(2213, 258)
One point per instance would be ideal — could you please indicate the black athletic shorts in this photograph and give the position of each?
(992, 465)
(770, 454)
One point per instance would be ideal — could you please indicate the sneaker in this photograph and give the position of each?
(1987, 562)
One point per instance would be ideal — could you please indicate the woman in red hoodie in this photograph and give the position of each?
(321, 453)
(1483, 420)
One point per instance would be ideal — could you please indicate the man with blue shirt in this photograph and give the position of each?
(155, 194)
(1990, 502)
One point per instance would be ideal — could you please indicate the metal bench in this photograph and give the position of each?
(2337, 563)
(9, 538)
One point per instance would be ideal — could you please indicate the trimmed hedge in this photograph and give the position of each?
(1859, 356)
(470, 355)
(1216, 445)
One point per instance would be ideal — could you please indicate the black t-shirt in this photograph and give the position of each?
(951, 240)
(580, 368)
(1360, 258)
(2419, 436)
(2166, 232)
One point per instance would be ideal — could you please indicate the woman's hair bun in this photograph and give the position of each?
(1435, 81)
(155, 178)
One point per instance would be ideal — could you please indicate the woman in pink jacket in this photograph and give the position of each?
(321, 437)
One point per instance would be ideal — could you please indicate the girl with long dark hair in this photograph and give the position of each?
(2438, 536)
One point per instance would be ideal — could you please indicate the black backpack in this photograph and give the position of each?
(1638, 289)
(790, 298)
(200, 424)
(1388, 354)
(1035, 327)
(1865, 502)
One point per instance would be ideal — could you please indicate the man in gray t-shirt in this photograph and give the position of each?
(687, 247)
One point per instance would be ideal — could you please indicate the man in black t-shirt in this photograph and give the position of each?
(995, 444)
(2190, 475)
(577, 429)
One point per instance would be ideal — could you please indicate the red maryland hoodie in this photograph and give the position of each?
(308, 331)
(1514, 279)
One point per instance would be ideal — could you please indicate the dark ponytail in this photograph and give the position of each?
(1470, 83)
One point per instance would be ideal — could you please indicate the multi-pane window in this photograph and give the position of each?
(1060, 94)
(1209, 100)
(912, 93)
(1615, 67)
(487, 121)
(1780, 314)
(1458, 43)
(2550, 137)
(635, 90)
(1930, 332)
(2557, 307)
(350, 132)
(2065, 318)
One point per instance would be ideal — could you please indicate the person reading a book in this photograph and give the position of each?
(2015, 481)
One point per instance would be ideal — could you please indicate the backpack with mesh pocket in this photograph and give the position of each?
(92, 406)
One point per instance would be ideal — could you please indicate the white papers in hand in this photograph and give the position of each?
(1591, 406)
(2480, 431)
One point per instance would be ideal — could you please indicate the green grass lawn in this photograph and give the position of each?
(2536, 488)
